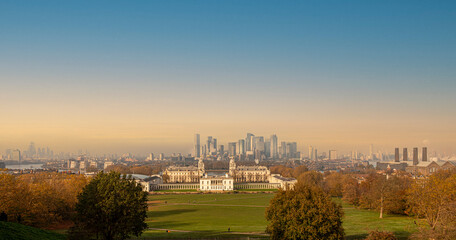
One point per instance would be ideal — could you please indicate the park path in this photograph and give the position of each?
(186, 231)
(209, 204)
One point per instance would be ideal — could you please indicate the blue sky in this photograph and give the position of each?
(251, 60)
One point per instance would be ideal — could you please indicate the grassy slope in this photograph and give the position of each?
(15, 231)
(244, 213)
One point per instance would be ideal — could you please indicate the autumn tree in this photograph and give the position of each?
(111, 206)
(434, 199)
(351, 191)
(333, 184)
(288, 171)
(40, 199)
(311, 178)
(305, 212)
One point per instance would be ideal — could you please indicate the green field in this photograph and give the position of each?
(210, 215)
(15, 231)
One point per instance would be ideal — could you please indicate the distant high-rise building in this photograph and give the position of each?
(241, 146)
(415, 156)
(316, 155)
(197, 150)
(424, 155)
(396, 154)
(258, 144)
(31, 150)
(274, 147)
(16, 155)
(291, 149)
(249, 142)
(221, 149)
(404, 155)
(283, 150)
(332, 154)
(267, 148)
(209, 143)
(232, 148)
(311, 152)
(214, 144)
(204, 150)
(161, 157)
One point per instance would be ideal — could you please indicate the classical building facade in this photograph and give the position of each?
(216, 183)
(193, 174)
(248, 173)
(190, 174)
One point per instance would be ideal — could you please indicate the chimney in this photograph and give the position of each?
(415, 156)
(424, 157)
(396, 154)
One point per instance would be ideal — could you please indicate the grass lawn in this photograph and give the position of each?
(9, 231)
(177, 190)
(210, 215)
(358, 222)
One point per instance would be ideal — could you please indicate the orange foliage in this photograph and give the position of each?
(40, 199)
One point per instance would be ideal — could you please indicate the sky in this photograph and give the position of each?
(145, 76)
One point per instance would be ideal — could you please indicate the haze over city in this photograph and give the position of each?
(111, 76)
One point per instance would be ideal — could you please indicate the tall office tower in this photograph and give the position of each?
(274, 147)
(161, 156)
(209, 143)
(248, 142)
(316, 155)
(150, 157)
(396, 154)
(295, 149)
(415, 156)
(332, 154)
(424, 155)
(404, 155)
(371, 152)
(214, 144)
(258, 144)
(311, 152)
(31, 150)
(232, 148)
(288, 150)
(267, 148)
(221, 149)
(283, 150)
(204, 150)
(241, 146)
(197, 150)
(16, 155)
(291, 149)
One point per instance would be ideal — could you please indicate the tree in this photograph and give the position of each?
(305, 212)
(311, 178)
(333, 184)
(434, 199)
(111, 206)
(385, 193)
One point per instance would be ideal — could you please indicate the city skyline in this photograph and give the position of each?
(145, 77)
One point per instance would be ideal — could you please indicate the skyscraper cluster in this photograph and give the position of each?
(251, 147)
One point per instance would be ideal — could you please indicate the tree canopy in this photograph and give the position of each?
(305, 212)
(111, 206)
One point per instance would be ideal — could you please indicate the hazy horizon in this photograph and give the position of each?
(146, 76)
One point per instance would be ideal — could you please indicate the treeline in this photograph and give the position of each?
(431, 199)
(144, 170)
(41, 199)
